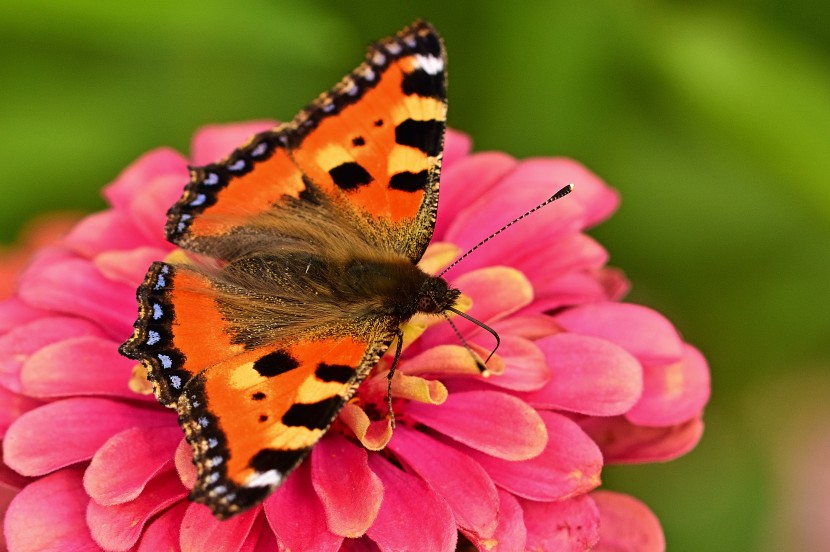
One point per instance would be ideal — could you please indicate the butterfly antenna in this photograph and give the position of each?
(558, 195)
(481, 325)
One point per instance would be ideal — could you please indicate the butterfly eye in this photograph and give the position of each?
(427, 304)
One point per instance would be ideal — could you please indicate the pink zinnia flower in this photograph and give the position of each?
(510, 462)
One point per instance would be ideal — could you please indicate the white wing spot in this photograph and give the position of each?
(157, 312)
(271, 478)
(259, 150)
(203, 421)
(153, 337)
(211, 179)
(393, 48)
(166, 361)
(431, 64)
(212, 442)
(200, 199)
(238, 165)
(160, 282)
(213, 478)
(176, 382)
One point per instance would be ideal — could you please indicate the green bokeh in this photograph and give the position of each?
(713, 121)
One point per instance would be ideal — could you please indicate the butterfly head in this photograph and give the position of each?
(436, 296)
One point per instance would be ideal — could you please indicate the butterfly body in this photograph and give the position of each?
(304, 249)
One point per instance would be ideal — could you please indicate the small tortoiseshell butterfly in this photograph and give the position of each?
(306, 240)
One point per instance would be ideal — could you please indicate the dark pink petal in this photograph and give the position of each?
(510, 534)
(572, 288)
(133, 180)
(76, 287)
(590, 376)
(569, 525)
(14, 312)
(476, 418)
(255, 536)
(9, 477)
(456, 477)
(622, 442)
(212, 143)
(104, 231)
(78, 366)
(119, 527)
(27, 338)
(643, 332)
(363, 544)
(674, 393)
(124, 465)
(80, 425)
(202, 531)
(598, 200)
(469, 177)
(267, 541)
(49, 515)
(13, 405)
(349, 490)
(615, 283)
(163, 532)
(7, 494)
(408, 498)
(456, 146)
(129, 266)
(627, 524)
(297, 516)
(570, 465)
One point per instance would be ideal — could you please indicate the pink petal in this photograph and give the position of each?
(569, 525)
(119, 527)
(627, 524)
(163, 532)
(9, 477)
(183, 459)
(511, 533)
(49, 515)
(349, 490)
(476, 418)
(149, 208)
(78, 366)
(552, 260)
(213, 143)
(518, 245)
(525, 368)
(624, 443)
(145, 451)
(531, 326)
(80, 425)
(455, 477)
(258, 536)
(469, 177)
(133, 180)
(496, 292)
(22, 341)
(674, 393)
(598, 200)
(129, 266)
(104, 231)
(409, 498)
(267, 541)
(202, 531)
(456, 146)
(363, 544)
(13, 406)
(644, 333)
(76, 287)
(297, 516)
(590, 376)
(15, 312)
(569, 466)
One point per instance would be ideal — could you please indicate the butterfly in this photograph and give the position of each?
(306, 242)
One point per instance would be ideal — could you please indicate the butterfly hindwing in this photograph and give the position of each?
(251, 423)
(373, 144)
(179, 331)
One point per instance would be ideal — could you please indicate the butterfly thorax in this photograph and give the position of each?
(291, 294)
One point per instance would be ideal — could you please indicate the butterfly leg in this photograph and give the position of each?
(398, 350)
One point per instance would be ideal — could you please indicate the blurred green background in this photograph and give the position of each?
(713, 120)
